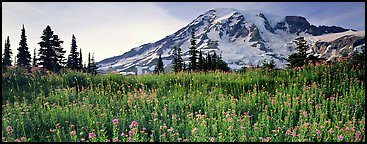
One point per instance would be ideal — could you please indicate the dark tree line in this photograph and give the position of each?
(51, 54)
(198, 62)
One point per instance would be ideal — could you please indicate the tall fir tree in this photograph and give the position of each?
(61, 60)
(34, 64)
(80, 60)
(180, 62)
(222, 65)
(159, 68)
(209, 61)
(23, 56)
(214, 61)
(7, 54)
(177, 60)
(201, 62)
(93, 66)
(301, 45)
(174, 62)
(73, 56)
(51, 52)
(298, 59)
(193, 52)
(89, 66)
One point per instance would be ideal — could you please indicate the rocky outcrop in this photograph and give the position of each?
(297, 23)
(316, 31)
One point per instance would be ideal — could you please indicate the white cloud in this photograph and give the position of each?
(107, 29)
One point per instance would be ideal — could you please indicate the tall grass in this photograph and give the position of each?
(316, 103)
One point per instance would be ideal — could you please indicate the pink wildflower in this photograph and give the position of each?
(179, 139)
(91, 135)
(306, 124)
(9, 129)
(305, 113)
(123, 134)
(131, 133)
(73, 132)
(84, 98)
(130, 139)
(115, 139)
(340, 137)
(133, 124)
(347, 129)
(115, 121)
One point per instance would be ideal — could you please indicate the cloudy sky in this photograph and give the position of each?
(110, 29)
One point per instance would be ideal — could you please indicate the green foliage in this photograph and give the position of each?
(34, 62)
(201, 62)
(73, 60)
(51, 53)
(193, 53)
(23, 56)
(159, 68)
(7, 54)
(318, 103)
(177, 60)
(92, 67)
(298, 59)
(80, 61)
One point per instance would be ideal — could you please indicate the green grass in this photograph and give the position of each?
(317, 103)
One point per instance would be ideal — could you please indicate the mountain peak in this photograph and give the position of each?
(243, 36)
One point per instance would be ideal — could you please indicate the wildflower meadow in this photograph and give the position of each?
(316, 103)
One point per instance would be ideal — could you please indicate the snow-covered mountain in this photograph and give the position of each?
(243, 37)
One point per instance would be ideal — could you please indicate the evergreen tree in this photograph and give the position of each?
(193, 56)
(80, 60)
(23, 56)
(159, 68)
(89, 66)
(7, 54)
(214, 61)
(201, 62)
(73, 61)
(68, 63)
(51, 52)
(180, 62)
(301, 45)
(222, 65)
(298, 59)
(93, 66)
(209, 61)
(177, 60)
(34, 64)
(60, 58)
